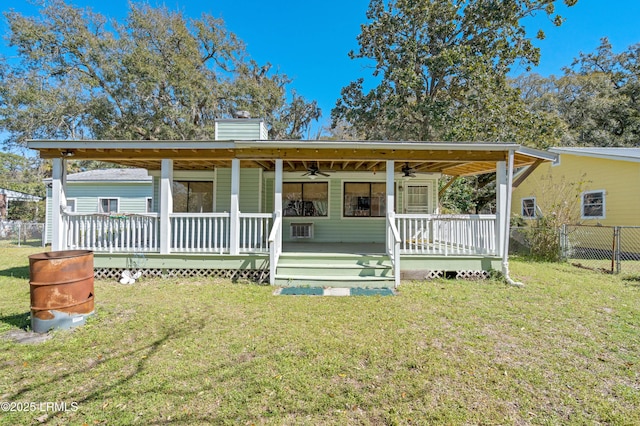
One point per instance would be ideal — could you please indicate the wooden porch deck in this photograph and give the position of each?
(337, 248)
(430, 250)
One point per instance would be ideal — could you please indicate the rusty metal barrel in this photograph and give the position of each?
(61, 284)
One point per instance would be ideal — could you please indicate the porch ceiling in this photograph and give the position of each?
(455, 159)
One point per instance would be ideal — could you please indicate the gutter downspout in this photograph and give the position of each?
(507, 230)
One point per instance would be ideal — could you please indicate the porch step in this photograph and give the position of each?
(333, 281)
(323, 269)
(334, 270)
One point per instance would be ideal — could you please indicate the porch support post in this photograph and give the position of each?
(277, 194)
(392, 238)
(391, 202)
(58, 203)
(274, 253)
(391, 198)
(234, 211)
(166, 204)
(501, 205)
(507, 220)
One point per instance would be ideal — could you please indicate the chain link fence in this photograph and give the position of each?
(18, 233)
(612, 249)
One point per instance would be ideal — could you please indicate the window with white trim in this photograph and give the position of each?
(192, 196)
(108, 205)
(71, 205)
(305, 199)
(364, 199)
(417, 199)
(528, 208)
(593, 205)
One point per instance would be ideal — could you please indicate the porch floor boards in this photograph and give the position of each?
(333, 248)
(329, 249)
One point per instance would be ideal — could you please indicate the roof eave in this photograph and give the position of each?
(538, 153)
(595, 155)
(398, 145)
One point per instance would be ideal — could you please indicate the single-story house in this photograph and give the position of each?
(317, 213)
(7, 196)
(108, 191)
(608, 181)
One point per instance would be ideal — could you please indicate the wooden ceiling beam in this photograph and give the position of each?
(525, 174)
(264, 165)
(446, 186)
(373, 165)
(288, 154)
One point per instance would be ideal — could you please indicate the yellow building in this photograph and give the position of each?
(595, 186)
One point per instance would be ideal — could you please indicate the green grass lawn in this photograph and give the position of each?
(565, 349)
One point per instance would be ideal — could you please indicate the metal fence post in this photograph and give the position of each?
(617, 231)
(563, 242)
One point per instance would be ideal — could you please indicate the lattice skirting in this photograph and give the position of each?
(257, 275)
(458, 275)
(472, 275)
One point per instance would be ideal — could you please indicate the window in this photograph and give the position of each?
(71, 205)
(593, 205)
(108, 205)
(305, 199)
(417, 199)
(528, 208)
(149, 204)
(192, 197)
(364, 199)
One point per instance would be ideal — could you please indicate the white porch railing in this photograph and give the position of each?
(275, 247)
(254, 231)
(210, 233)
(200, 232)
(447, 234)
(190, 232)
(103, 232)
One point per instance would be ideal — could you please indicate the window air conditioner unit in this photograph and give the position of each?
(301, 230)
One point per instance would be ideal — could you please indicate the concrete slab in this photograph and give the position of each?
(337, 291)
(25, 337)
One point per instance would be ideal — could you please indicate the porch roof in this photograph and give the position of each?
(450, 158)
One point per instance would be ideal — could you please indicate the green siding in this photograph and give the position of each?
(240, 130)
(133, 197)
(249, 190)
(335, 228)
(267, 195)
(156, 194)
(184, 261)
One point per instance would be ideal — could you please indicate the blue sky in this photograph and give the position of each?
(309, 40)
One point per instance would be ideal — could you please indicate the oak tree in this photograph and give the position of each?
(440, 70)
(157, 75)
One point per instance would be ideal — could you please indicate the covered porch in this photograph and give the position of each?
(226, 238)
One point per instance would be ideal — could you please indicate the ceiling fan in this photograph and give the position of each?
(408, 171)
(313, 171)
